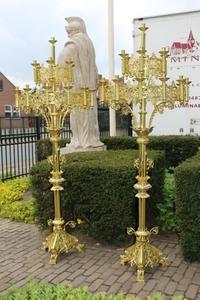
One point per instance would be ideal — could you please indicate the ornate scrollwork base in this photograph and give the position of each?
(60, 241)
(142, 254)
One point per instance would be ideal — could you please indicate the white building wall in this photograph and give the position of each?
(164, 31)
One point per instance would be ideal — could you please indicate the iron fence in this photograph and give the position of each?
(18, 138)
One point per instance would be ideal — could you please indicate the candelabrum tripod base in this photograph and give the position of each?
(142, 254)
(60, 241)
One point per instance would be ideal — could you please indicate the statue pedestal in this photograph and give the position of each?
(69, 149)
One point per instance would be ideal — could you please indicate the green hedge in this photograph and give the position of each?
(187, 178)
(43, 148)
(177, 148)
(44, 291)
(98, 188)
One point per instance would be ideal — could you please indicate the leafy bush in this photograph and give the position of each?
(11, 204)
(177, 148)
(43, 291)
(187, 178)
(98, 189)
(167, 219)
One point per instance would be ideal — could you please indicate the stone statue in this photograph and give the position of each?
(84, 125)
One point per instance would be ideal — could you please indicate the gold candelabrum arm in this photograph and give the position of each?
(147, 93)
(126, 95)
(47, 101)
(54, 97)
(53, 91)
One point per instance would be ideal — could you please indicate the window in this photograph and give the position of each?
(191, 130)
(11, 111)
(1, 85)
(8, 111)
(181, 130)
(16, 112)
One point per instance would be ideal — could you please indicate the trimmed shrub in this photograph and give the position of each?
(177, 148)
(98, 189)
(44, 291)
(44, 148)
(187, 178)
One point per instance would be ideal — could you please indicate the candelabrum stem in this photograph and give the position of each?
(146, 71)
(59, 240)
(53, 97)
(142, 254)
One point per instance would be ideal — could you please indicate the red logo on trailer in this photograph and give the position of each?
(189, 47)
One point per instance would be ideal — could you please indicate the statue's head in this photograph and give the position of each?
(75, 25)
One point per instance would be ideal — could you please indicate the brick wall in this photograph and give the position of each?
(7, 95)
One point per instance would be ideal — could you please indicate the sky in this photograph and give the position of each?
(27, 25)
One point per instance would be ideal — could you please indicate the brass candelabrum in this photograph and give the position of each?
(144, 96)
(54, 98)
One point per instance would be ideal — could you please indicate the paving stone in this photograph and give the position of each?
(103, 260)
(4, 275)
(18, 272)
(78, 280)
(190, 272)
(91, 270)
(192, 291)
(163, 282)
(183, 284)
(21, 258)
(61, 277)
(74, 267)
(93, 277)
(182, 268)
(89, 264)
(150, 285)
(62, 268)
(49, 277)
(74, 274)
(196, 278)
(136, 287)
(4, 287)
(170, 271)
(123, 278)
(177, 277)
(111, 279)
(103, 268)
(126, 287)
(176, 262)
(95, 285)
(143, 294)
(106, 274)
(158, 274)
(44, 273)
(35, 267)
(103, 288)
(171, 287)
(121, 270)
(19, 277)
(22, 282)
(115, 288)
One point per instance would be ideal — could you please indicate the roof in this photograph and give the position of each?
(2, 75)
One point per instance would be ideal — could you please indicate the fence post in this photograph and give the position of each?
(37, 127)
(130, 130)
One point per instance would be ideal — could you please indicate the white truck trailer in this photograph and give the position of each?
(180, 34)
